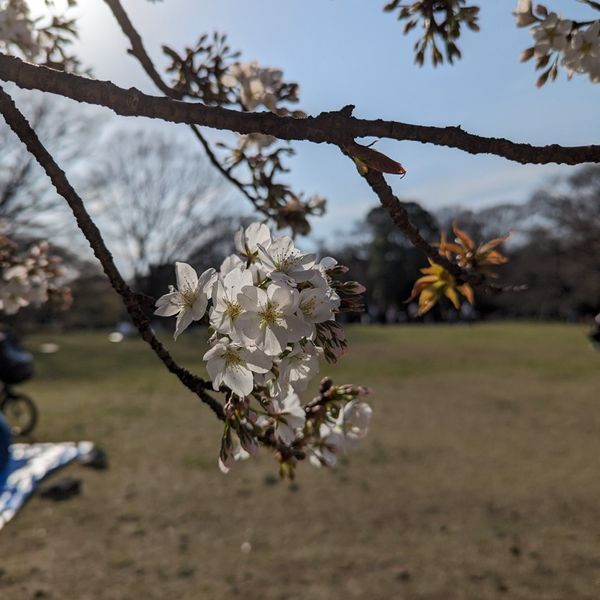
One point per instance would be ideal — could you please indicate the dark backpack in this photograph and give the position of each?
(16, 364)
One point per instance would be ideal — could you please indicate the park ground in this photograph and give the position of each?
(480, 478)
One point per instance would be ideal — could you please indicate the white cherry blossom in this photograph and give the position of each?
(300, 366)
(233, 261)
(226, 308)
(284, 263)
(274, 385)
(27, 279)
(232, 365)
(330, 445)
(354, 420)
(247, 240)
(289, 417)
(315, 307)
(258, 85)
(321, 279)
(189, 300)
(233, 454)
(551, 34)
(583, 53)
(256, 141)
(17, 272)
(13, 296)
(272, 317)
(349, 429)
(269, 319)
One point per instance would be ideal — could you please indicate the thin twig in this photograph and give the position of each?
(19, 124)
(332, 127)
(225, 172)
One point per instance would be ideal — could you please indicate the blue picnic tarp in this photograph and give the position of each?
(27, 466)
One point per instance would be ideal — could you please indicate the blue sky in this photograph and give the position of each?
(349, 51)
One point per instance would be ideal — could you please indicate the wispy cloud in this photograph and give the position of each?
(509, 182)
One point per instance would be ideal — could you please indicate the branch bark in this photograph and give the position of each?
(400, 218)
(18, 123)
(330, 127)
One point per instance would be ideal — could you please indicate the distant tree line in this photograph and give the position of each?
(158, 202)
(554, 248)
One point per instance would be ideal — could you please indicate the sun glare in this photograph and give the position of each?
(39, 8)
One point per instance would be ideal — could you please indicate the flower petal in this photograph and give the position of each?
(186, 277)
(257, 361)
(184, 320)
(239, 380)
(274, 340)
(168, 305)
(199, 307)
(206, 281)
(249, 324)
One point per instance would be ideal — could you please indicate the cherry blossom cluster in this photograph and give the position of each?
(256, 86)
(271, 310)
(574, 45)
(212, 73)
(28, 278)
(45, 39)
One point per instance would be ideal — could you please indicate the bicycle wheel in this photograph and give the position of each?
(21, 413)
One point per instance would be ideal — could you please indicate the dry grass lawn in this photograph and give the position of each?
(480, 479)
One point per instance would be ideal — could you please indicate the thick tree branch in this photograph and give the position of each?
(139, 52)
(332, 127)
(400, 218)
(17, 122)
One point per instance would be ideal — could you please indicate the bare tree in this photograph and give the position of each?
(27, 207)
(156, 200)
(554, 248)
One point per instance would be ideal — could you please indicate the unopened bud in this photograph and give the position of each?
(527, 54)
(325, 384)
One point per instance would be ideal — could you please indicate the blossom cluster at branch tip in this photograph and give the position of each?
(557, 41)
(212, 72)
(271, 310)
(254, 86)
(472, 258)
(29, 278)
